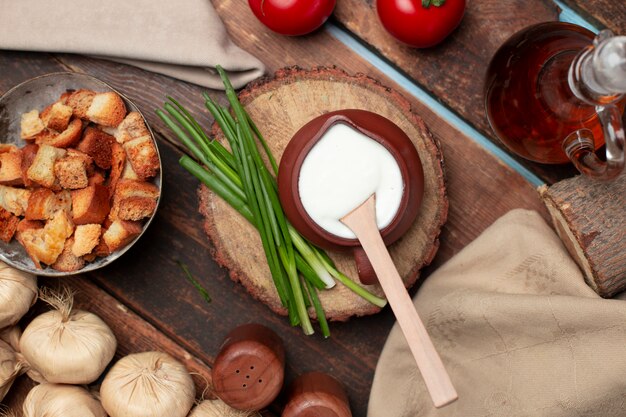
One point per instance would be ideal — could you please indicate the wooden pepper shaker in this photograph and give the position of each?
(316, 394)
(249, 370)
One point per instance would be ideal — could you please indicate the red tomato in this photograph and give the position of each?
(417, 25)
(292, 17)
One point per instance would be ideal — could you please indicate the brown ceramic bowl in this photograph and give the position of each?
(384, 132)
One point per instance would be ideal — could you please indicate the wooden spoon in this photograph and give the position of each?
(362, 221)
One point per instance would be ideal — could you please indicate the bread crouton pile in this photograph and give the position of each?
(82, 185)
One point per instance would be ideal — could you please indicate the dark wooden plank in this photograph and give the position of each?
(609, 14)
(454, 71)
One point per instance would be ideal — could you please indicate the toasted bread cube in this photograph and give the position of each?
(143, 157)
(86, 238)
(11, 168)
(45, 245)
(26, 224)
(8, 225)
(14, 200)
(98, 145)
(136, 208)
(120, 233)
(67, 261)
(8, 147)
(68, 137)
(118, 161)
(42, 169)
(31, 125)
(57, 116)
(107, 109)
(80, 101)
(43, 204)
(134, 200)
(28, 156)
(132, 127)
(71, 172)
(128, 173)
(90, 204)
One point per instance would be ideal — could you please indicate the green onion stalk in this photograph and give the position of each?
(240, 176)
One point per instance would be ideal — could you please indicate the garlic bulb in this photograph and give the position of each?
(11, 366)
(67, 346)
(53, 400)
(149, 384)
(18, 292)
(218, 408)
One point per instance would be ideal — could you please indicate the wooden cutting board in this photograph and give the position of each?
(280, 106)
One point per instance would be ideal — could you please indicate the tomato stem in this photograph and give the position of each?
(437, 3)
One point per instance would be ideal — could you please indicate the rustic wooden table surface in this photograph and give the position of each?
(146, 292)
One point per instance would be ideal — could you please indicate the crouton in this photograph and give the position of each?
(136, 208)
(120, 234)
(132, 127)
(86, 238)
(90, 204)
(80, 101)
(107, 109)
(25, 224)
(143, 156)
(28, 156)
(118, 161)
(43, 204)
(11, 168)
(68, 137)
(71, 172)
(8, 225)
(31, 125)
(100, 251)
(57, 116)
(134, 200)
(42, 169)
(98, 145)
(67, 261)
(128, 173)
(45, 245)
(14, 200)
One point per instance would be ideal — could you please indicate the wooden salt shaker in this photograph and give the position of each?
(315, 394)
(249, 370)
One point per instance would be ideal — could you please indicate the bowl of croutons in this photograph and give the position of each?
(80, 174)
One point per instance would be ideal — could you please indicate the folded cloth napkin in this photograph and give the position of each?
(518, 330)
(184, 40)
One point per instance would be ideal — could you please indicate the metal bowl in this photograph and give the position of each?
(37, 93)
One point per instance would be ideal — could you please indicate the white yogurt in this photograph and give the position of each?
(341, 171)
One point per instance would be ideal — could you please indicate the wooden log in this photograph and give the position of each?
(590, 218)
(280, 106)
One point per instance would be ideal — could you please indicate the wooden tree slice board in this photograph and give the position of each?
(280, 106)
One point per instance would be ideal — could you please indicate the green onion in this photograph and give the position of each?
(201, 290)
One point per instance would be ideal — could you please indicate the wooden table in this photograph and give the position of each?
(147, 291)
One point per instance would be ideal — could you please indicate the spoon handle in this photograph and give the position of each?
(362, 221)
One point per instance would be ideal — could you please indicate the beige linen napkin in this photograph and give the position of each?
(185, 40)
(519, 331)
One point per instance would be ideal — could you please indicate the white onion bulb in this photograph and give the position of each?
(67, 346)
(54, 400)
(18, 292)
(218, 408)
(11, 366)
(149, 384)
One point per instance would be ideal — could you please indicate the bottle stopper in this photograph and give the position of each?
(316, 394)
(249, 370)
